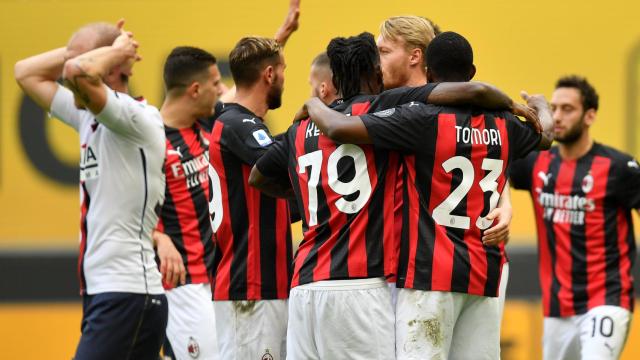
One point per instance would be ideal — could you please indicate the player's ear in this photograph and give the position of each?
(472, 72)
(415, 58)
(589, 117)
(429, 75)
(269, 74)
(194, 89)
(323, 90)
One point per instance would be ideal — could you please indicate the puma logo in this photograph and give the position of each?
(544, 177)
(175, 152)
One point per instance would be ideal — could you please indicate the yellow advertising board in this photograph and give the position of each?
(518, 45)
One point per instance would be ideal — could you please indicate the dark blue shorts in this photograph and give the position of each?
(122, 326)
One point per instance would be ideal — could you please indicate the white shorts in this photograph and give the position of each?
(394, 294)
(446, 325)
(191, 327)
(254, 329)
(341, 319)
(502, 291)
(598, 334)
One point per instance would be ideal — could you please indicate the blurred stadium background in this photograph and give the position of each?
(518, 45)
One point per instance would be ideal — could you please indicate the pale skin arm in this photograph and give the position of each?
(171, 265)
(83, 74)
(290, 25)
(37, 76)
(540, 104)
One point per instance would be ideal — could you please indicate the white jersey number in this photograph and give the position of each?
(361, 183)
(442, 213)
(215, 199)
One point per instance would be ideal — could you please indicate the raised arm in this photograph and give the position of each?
(290, 25)
(335, 125)
(37, 76)
(83, 74)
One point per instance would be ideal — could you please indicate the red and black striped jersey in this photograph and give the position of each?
(586, 243)
(345, 193)
(455, 161)
(253, 254)
(185, 213)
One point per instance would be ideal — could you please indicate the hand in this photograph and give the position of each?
(291, 23)
(537, 102)
(301, 114)
(171, 265)
(126, 43)
(528, 113)
(499, 232)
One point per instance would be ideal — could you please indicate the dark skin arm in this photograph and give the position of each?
(482, 95)
(269, 186)
(337, 126)
(469, 93)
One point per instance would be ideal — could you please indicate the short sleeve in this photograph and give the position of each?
(248, 139)
(521, 170)
(523, 137)
(402, 128)
(273, 164)
(63, 107)
(629, 189)
(402, 95)
(128, 117)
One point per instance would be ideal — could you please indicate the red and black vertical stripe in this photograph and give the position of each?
(253, 242)
(188, 221)
(343, 245)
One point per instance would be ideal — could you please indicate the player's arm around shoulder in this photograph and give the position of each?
(335, 125)
(469, 93)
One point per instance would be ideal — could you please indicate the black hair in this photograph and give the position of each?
(355, 61)
(587, 92)
(450, 57)
(184, 64)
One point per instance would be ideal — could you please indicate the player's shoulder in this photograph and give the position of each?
(237, 116)
(617, 157)
(411, 110)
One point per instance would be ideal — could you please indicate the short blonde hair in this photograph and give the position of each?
(250, 56)
(416, 31)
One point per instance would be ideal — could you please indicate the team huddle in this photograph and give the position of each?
(398, 167)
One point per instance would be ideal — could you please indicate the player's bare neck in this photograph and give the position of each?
(176, 115)
(119, 86)
(417, 78)
(576, 149)
(252, 99)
